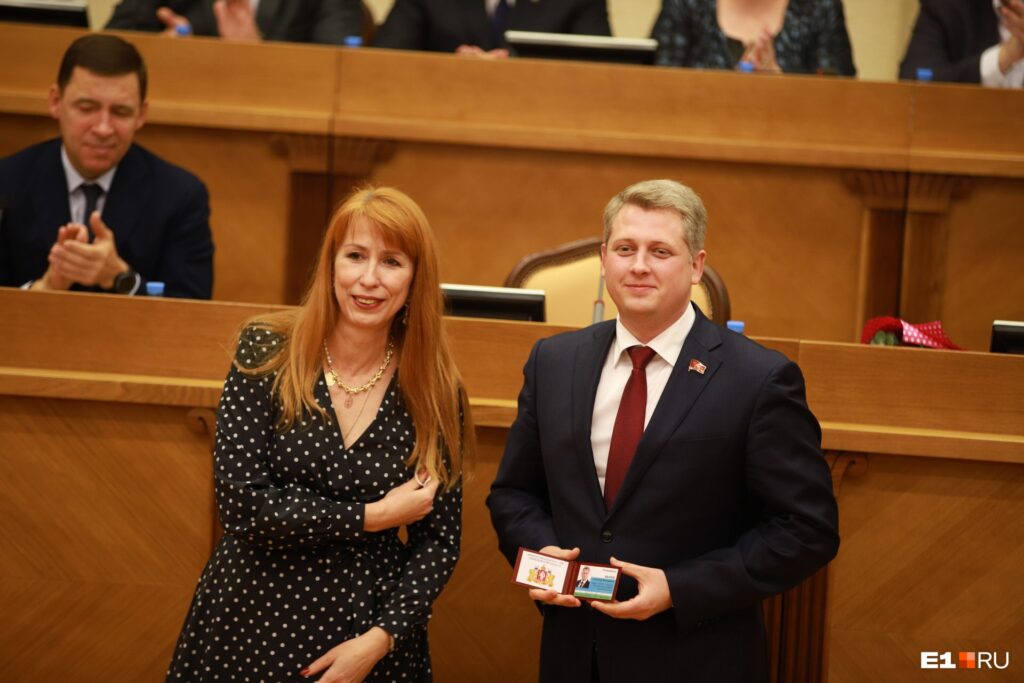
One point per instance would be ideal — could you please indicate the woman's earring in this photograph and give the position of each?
(405, 314)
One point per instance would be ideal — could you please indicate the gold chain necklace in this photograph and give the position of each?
(332, 376)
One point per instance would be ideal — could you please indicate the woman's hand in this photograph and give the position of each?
(402, 505)
(353, 660)
(761, 53)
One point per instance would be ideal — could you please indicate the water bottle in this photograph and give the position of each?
(924, 74)
(353, 41)
(154, 288)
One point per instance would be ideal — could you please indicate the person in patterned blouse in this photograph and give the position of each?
(341, 421)
(790, 36)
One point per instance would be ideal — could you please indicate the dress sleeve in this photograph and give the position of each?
(672, 29)
(252, 505)
(833, 53)
(434, 544)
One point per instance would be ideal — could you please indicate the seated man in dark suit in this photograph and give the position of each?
(478, 27)
(328, 22)
(968, 41)
(91, 210)
(680, 452)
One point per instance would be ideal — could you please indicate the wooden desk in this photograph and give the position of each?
(831, 201)
(106, 512)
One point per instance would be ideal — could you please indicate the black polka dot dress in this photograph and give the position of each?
(295, 574)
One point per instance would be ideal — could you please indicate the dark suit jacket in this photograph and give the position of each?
(728, 493)
(443, 25)
(297, 21)
(159, 213)
(949, 37)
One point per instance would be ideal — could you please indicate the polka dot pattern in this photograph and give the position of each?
(295, 574)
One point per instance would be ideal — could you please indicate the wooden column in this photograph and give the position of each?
(881, 244)
(925, 244)
(797, 621)
(321, 173)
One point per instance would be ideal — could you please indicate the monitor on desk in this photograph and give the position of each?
(1007, 337)
(581, 48)
(507, 303)
(56, 12)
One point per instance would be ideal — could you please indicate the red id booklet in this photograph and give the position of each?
(584, 580)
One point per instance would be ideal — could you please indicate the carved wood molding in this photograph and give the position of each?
(884, 190)
(321, 154)
(203, 421)
(933, 193)
(842, 463)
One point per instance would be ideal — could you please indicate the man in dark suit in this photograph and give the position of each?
(681, 452)
(328, 22)
(91, 210)
(968, 41)
(478, 26)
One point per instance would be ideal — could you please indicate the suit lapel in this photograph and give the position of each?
(476, 23)
(590, 357)
(51, 205)
(129, 190)
(683, 389)
(267, 14)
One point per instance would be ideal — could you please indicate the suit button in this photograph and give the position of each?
(606, 536)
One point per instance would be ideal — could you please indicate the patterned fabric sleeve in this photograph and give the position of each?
(434, 544)
(833, 54)
(673, 30)
(252, 506)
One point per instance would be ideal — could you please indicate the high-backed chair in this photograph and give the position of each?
(569, 275)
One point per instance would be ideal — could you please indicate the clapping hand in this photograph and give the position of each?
(74, 260)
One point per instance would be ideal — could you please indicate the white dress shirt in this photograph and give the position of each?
(76, 197)
(616, 371)
(991, 76)
(493, 5)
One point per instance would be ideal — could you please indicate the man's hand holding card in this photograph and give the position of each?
(554, 576)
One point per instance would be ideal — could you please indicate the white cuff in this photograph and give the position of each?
(991, 76)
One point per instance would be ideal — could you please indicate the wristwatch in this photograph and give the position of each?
(125, 282)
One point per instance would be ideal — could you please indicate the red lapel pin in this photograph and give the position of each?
(697, 366)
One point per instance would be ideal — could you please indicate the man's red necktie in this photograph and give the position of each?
(629, 423)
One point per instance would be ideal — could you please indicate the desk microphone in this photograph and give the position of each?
(599, 302)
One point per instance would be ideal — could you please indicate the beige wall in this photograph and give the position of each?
(878, 28)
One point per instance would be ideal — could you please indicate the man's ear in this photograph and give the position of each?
(143, 110)
(698, 266)
(53, 101)
(604, 252)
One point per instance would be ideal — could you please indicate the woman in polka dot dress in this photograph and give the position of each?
(341, 421)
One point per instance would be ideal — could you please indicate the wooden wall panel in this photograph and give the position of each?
(105, 525)
(985, 257)
(786, 240)
(930, 561)
(249, 203)
(484, 628)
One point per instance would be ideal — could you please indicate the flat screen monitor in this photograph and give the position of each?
(1007, 337)
(56, 12)
(581, 48)
(506, 303)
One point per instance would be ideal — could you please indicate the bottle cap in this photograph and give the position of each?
(924, 74)
(736, 326)
(154, 288)
(746, 67)
(183, 30)
(353, 41)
